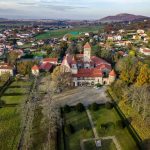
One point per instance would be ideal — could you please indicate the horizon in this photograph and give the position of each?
(71, 10)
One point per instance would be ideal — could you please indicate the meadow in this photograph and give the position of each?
(61, 32)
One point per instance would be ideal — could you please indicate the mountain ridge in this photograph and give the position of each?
(123, 17)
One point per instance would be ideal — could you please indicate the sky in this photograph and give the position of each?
(71, 9)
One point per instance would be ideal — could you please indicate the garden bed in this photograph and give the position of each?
(106, 122)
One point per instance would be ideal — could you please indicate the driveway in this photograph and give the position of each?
(85, 95)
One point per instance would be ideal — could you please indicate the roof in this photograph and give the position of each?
(99, 61)
(51, 59)
(73, 60)
(67, 60)
(46, 66)
(104, 66)
(146, 50)
(112, 73)
(6, 66)
(86, 72)
(87, 45)
(35, 67)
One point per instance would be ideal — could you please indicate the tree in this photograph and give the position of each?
(24, 68)
(61, 79)
(144, 75)
(128, 68)
(51, 117)
(12, 57)
(4, 77)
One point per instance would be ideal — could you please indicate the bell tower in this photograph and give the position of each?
(87, 52)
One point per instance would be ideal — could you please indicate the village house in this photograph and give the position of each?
(53, 61)
(87, 69)
(145, 51)
(35, 70)
(139, 31)
(6, 68)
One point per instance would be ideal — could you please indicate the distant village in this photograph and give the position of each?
(89, 56)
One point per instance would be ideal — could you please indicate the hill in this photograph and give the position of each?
(123, 17)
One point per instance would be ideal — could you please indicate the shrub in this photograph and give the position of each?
(94, 106)
(69, 129)
(121, 124)
(80, 107)
(67, 109)
(109, 105)
(107, 125)
(98, 85)
(2, 103)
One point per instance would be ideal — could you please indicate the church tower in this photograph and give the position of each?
(87, 52)
(112, 76)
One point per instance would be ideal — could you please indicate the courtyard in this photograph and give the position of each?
(85, 95)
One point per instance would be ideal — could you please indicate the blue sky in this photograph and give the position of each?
(71, 9)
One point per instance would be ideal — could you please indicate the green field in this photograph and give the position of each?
(10, 120)
(110, 116)
(106, 145)
(82, 128)
(62, 32)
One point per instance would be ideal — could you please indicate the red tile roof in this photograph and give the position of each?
(35, 67)
(88, 73)
(112, 73)
(87, 45)
(146, 50)
(6, 66)
(46, 66)
(50, 59)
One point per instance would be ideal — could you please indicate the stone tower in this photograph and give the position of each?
(112, 76)
(74, 68)
(87, 52)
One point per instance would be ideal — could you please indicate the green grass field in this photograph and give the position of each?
(82, 128)
(62, 32)
(10, 120)
(106, 145)
(110, 116)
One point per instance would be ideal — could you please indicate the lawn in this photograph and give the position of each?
(82, 128)
(10, 120)
(106, 145)
(61, 32)
(110, 116)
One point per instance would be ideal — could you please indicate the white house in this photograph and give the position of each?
(145, 51)
(35, 70)
(6, 68)
(139, 31)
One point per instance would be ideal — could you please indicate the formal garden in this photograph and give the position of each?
(77, 130)
(10, 118)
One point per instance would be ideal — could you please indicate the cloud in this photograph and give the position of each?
(72, 8)
(27, 3)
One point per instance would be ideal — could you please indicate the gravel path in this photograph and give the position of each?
(85, 95)
(113, 138)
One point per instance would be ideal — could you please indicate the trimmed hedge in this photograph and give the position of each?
(94, 106)
(67, 109)
(79, 107)
(109, 105)
(69, 129)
